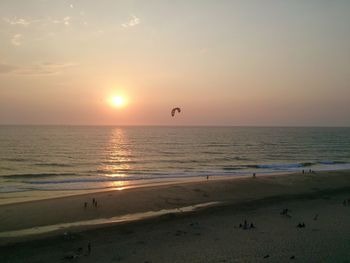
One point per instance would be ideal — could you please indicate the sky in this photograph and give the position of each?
(256, 63)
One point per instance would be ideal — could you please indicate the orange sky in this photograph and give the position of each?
(282, 63)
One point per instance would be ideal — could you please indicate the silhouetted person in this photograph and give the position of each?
(285, 211)
(254, 175)
(252, 225)
(89, 248)
(207, 177)
(245, 226)
(85, 205)
(301, 225)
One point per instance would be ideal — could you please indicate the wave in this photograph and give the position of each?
(332, 162)
(18, 159)
(234, 167)
(41, 175)
(280, 166)
(102, 179)
(120, 162)
(54, 164)
(286, 166)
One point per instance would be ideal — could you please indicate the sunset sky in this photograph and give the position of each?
(284, 63)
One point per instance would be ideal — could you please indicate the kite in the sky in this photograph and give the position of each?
(173, 111)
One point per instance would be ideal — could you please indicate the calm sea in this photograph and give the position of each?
(48, 158)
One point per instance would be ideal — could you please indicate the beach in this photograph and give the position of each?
(174, 131)
(210, 233)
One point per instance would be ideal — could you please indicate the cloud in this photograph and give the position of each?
(16, 40)
(39, 68)
(6, 68)
(19, 21)
(64, 21)
(47, 20)
(46, 68)
(133, 21)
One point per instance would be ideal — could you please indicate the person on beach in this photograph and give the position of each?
(285, 211)
(89, 248)
(245, 226)
(254, 175)
(207, 177)
(301, 225)
(85, 205)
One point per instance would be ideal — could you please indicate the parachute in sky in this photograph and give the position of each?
(173, 111)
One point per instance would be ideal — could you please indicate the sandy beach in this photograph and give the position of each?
(210, 234)
(174, 131)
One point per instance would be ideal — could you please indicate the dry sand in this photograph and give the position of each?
(207, 235)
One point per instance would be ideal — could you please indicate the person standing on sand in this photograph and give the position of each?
(245, 226)
(89, 248)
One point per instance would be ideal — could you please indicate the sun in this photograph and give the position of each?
(118, 101)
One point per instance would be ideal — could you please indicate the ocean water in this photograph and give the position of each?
(72, 158)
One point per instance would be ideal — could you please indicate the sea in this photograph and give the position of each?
(72, 159)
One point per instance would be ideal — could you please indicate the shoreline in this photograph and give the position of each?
(48, 194)
(149, 183)
(207, 234)
(112, 204)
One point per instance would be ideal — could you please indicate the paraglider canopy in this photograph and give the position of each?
(174, 110)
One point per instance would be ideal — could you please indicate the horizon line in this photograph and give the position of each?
(185, 125)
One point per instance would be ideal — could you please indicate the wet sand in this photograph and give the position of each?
(207, 235)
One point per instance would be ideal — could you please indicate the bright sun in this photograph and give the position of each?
(118, 101)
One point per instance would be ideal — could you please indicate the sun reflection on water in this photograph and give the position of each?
(118, 159)
(119, 185)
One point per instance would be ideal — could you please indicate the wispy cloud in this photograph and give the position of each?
(39, 68)
(133, 21)
(46, 68)
(6, 68)
(16, 40)
(26, 22)
(19, 21)
(64, 21)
